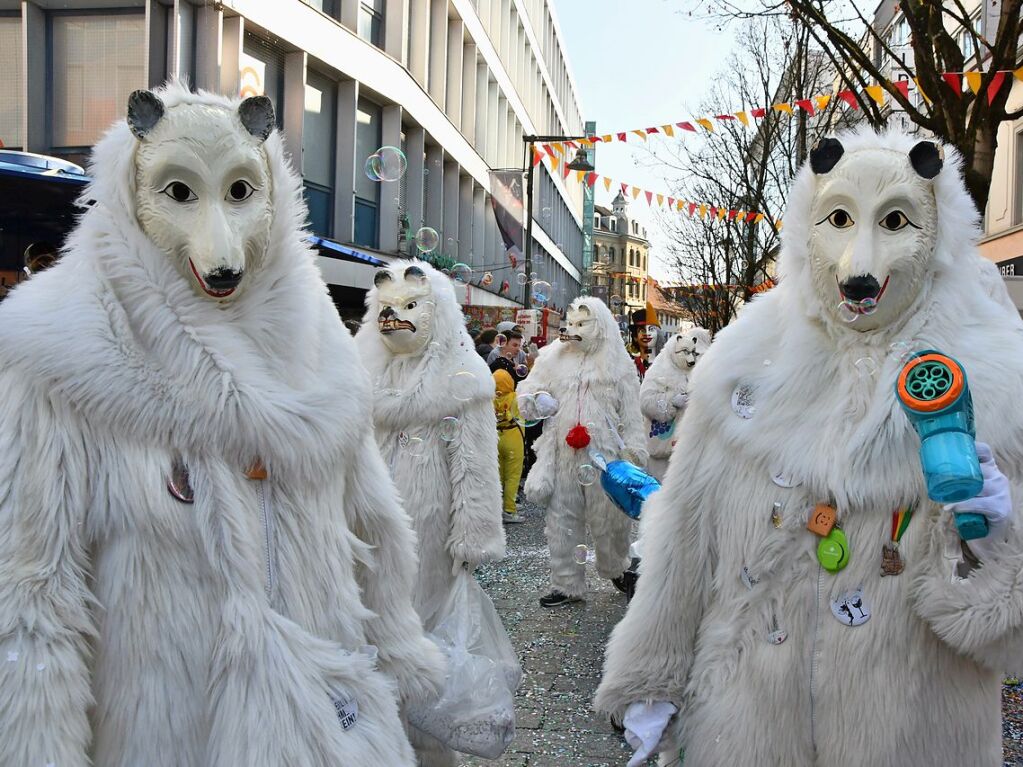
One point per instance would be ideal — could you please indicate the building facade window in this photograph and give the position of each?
(262, 73)
(330, 7)
(371, 21)
(318, 151)
(1017, 217)
(614, 225)
(95, 62)
(11, 95)
(367, 193)
(612, 255)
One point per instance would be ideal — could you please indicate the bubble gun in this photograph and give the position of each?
(935, 395)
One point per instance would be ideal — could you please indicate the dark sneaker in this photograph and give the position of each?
(511, 519)
(621, 583)
(556, 599)
(626, 583)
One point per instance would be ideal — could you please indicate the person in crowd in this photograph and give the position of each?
(510, 436)
(485, 342)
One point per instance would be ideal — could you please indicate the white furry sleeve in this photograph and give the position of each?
(477, 534)
(630, 416)
(980, 616)
(650, 653)
(379, 520)
(655, 399)
(45, 605)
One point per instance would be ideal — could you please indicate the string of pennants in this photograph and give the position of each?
(701, 209)
(877, 93)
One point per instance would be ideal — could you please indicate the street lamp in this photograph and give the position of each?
(578, 163)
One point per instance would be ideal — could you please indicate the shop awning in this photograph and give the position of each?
(333, 249)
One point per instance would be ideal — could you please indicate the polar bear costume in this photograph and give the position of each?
(160, 605)
(664, 394)
(595, 384)
(434, 417)
(734, 620)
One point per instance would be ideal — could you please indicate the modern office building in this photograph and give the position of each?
(454, 83)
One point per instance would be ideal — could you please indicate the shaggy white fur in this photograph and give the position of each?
(136, 629)
(596, 385)
(918, 684)
(664, 393)
(446, 471)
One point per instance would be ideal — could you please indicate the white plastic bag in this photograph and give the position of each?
(475, 714)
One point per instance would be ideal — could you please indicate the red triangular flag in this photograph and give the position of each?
(625, 189)
(758, 112)
(686, 126)
(671, 202)
(994, 86)
(652, 130)
(750, 216)
(724, 117)
(849, 98)
(806, 105)
(902, 86)
(713, 211)
(548, 150)
(692, 208)
(565, 170)
(621, 137)
(591, 179)
(594, 139)
(954, 80)
(649, 197)
(571, 144)
(732, 214)
(537, 157)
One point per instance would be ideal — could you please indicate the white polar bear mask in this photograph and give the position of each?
(688, 347)
(874, 228)
(406, 311)
(202, 186)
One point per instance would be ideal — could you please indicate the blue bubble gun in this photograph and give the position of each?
(935, 395)
(625, 483)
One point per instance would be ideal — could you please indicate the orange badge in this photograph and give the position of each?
(822, 520)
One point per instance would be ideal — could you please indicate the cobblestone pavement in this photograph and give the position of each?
(561, 651)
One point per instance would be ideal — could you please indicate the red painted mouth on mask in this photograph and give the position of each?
(206, 288)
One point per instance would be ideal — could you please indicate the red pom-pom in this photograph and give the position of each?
(578, 437)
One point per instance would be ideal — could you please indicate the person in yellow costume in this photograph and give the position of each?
(510, 437)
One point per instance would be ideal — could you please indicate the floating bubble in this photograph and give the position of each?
(581, 554)
(449, 428)
(541, 293)
(500, 340)
(463, 385)
(532, 275)
(846, 313)
(536, 398)
(487, 279)
(521, 370)
(605, 257)
(545, 212)
(866, 368)
(12, 656)
(767, 363)
(662, 406)
(587, 475)
(868, 305)
(521, 278)
(902, 349)
(388, 163)
(370, 168)
(40, 666)
(427, 239)
(461, 272)
(616, 302)
(449, 245)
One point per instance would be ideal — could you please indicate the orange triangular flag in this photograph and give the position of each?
(537, 157)
(822, 102)
(660, 200)
(786, 108)
(607, 139)
(973, 80)
(558, 147)
(743, 118)
(641, 134)
(721, 213)
(876, 92)
(635, 192)
(580, 175)
(555, 162)
(607, 183)
(1018, 73)
(740, 214)
(669, 130)
(703, 211)
(921, 90)
(681, 204)
(759, 218)
(704, 122)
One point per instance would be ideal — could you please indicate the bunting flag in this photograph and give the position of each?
(822, 102)
(668, 130)
(902, 86)
(849, 98)
(607, 183)
(806, 105)
(994, 86)
(954, 80)
(876, 92)
(554, 163)
(743, 118)
(973, 80)
(916, 81)
(705, 123)
(537, 157)
(660, 200)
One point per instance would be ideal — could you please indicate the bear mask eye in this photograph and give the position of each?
(239, 191)
(840, 219)
(410, 306)
(179, 192)
(895, 221)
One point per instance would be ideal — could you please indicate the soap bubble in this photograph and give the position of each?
(40, 666)
(545, 212)
(500, 340)
(587, 475)
(868, 305)
(427, 239)
(461, 272)
(605, 257)
(388, 163)
(370, 168)
(449, 428)
(463, 385)
(902, 350)
(847, 313)
(541, 293)
(521, 370)
(449, 245)
(521, 278)
(662, 406)
(616, 302)
(415, 447)
(866, 368)
(623, 326)
(581, 554)
(532, 275)
(767, 363)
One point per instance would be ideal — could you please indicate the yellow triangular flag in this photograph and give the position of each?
(823, 101)
(1018, 73)
(660, 200)
(875, 92)
(558, 147)
(786, 108)
(759, 218)
(973, 80)
(635, 192)
(608, 138)
(555, 162)
(668, 130)
(641, 134)
(777, 224)
(921, 90)
(743, 118)
(703, 121)
(703, 211)
(740, 215)
(721, 213)
(680, 204)
(607, 183)
(580, 175)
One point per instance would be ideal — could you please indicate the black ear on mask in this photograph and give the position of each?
(414, 271)
(381, 277)
(825, 155)
(257, 115)
(145, 110)
(927, 158)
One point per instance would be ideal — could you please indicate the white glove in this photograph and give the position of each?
(546, 405)
(644, 727)
(994, 502)
(680, 400)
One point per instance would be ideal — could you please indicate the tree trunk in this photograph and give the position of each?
(980, 167)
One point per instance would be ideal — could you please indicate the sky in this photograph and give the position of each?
(638, 63)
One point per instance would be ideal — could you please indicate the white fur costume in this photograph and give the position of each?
(595, 384)
(136, 629)
(664, 393)
(446, 471)
(918, 683)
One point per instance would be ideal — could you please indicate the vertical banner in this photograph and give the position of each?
(506, 187)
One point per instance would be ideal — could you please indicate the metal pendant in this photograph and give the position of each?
(891, 560)
(178, 483)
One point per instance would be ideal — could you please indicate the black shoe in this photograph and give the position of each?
(621, 583)
(556, 599)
